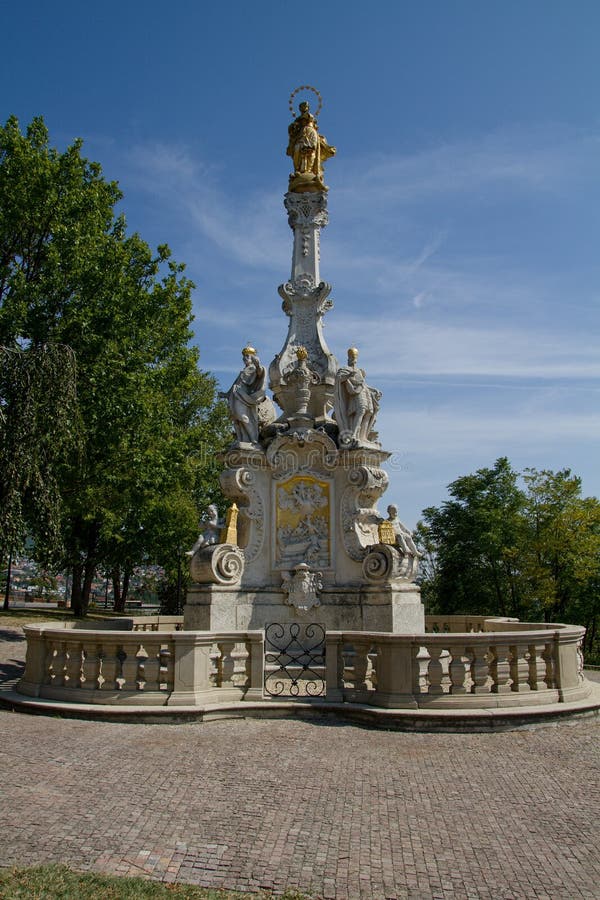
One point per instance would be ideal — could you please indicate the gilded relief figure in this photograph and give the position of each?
(356, 403)
(309, 150)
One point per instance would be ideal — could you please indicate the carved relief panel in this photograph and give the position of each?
(303, 515)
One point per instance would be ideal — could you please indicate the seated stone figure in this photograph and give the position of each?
(404, 542)
(210, 530)
(404, 537)
(356, 404)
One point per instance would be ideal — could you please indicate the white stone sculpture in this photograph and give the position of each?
(245, 398)
(356, 404)
(210, 529)
(302, 587)
(404, 542)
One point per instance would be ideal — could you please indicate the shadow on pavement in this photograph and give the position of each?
(10, 635)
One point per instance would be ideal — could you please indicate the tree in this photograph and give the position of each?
(70, 274)
(498, 549)
(38, 428)
(563, 560)
(475, 538)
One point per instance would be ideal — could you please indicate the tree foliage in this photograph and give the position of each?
(512, 545)
(38, 429)
(148, 425)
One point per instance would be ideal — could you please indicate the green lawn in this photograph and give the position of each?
(16, 617)
(56, 882)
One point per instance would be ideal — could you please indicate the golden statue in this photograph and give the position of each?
(309, 150)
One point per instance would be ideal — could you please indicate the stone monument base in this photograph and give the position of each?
(384, 608)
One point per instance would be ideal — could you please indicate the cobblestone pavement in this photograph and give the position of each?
(336, 810)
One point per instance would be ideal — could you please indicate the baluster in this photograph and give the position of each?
(372, 670)
(48, 662)
(348, 654)
(435, 672)
(480, 669)
(167, 667)
(421, 661)
(73, 665)
(537, 667)
(90, 670)
(226, 663)
(241, 663)
(580, 660)
(151, 666)
(519, 668)
(457, 669)
(361, 665)
(214, 656)
(110, 667)
(550, 673)
(417, 682)
(130, 667)
(500, 669)
(56, 669)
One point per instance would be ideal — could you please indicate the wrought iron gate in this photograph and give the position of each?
(295, 660)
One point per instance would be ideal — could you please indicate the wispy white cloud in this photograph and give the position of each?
(530, 159)
(395, 346)
(247, 229)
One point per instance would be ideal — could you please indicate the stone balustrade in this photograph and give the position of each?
(515, 664)
(141, 667)
(491, 663)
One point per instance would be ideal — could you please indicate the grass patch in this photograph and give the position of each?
(16, 617)
(58, 882)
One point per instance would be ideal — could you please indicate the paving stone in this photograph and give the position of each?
(337, 811)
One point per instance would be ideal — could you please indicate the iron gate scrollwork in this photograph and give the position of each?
(295, 660)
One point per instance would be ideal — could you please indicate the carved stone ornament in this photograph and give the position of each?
(360, 519)
(217, 564)
(239, 484)
(306, 211)
(302, 587)
(302, 452)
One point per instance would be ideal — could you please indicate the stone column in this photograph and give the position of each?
(305, 301)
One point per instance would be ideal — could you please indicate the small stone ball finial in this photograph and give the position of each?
(301, 353)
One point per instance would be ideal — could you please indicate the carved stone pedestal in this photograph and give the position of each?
(309, 544)
(391, 609)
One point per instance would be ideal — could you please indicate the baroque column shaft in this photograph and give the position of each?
(305, 300)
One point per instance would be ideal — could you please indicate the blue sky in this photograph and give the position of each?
(464, 200)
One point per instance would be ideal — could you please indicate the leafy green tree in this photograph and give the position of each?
(495, 548)
(475, 539)
(563, 560)
(39, 424)
(70, 274)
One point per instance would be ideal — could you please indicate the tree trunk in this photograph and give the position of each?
(88, 577)
(119, 604)
(76, 593)
(126, 577)
(8, 574)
